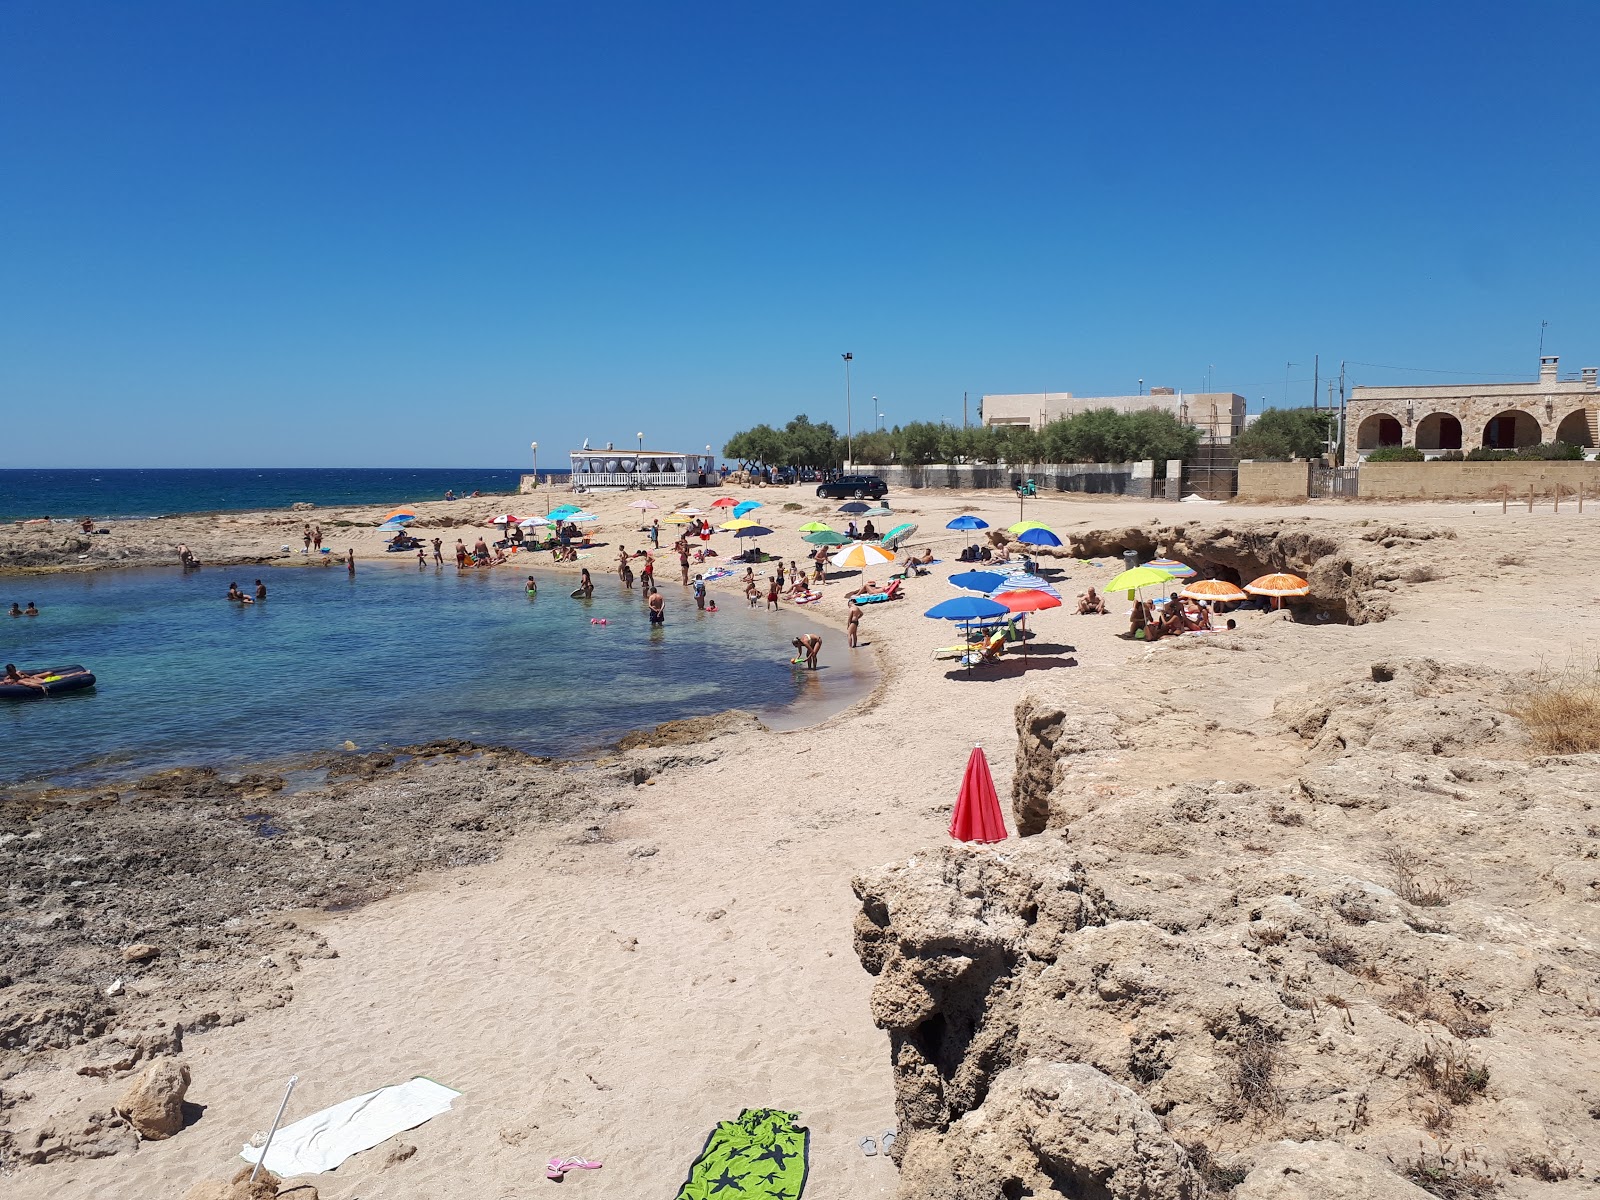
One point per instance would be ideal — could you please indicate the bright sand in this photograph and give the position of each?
(616, 999)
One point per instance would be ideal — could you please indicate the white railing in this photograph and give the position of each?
(634, 479)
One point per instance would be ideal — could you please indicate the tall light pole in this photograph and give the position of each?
(849, 431)
(878, 412)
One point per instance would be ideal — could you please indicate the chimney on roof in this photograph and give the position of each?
(1591, 375)
(1547, 368)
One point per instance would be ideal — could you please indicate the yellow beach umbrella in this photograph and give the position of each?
(1131, 581)
(737, 524)
(1024, 526)
(676, 519)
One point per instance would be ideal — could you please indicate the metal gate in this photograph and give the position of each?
(1334, 483)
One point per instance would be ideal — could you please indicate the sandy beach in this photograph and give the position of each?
(642, 946)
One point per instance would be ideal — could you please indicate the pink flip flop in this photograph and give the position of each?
(560, 1166)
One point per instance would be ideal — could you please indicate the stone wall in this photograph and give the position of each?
(1474, 480)
(1274, 480)
(1114, 479)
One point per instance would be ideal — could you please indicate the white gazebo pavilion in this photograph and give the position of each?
(642, 469)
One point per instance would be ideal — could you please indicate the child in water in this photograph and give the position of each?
(532, 588)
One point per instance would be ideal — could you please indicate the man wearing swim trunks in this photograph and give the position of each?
(658, 608)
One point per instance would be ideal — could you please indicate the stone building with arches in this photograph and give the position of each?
(1465, 416)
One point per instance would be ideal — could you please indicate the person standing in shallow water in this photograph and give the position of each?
(350, 562)
(658, 608)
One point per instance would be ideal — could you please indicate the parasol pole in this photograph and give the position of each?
(271, 1133)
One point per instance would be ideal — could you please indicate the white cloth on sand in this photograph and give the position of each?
(325, 1139)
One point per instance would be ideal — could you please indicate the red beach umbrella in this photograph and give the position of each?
(724, 502)
(977, 817)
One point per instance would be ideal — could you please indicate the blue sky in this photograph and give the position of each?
(426, 233)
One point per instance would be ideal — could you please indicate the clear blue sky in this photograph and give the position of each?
(299, 233)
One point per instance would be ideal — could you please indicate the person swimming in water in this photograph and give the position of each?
(532, 589)
(16, 609)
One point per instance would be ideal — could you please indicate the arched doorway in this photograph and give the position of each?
(1438, 431)
(1511, 430)
(1380, 429)
(1575, 429)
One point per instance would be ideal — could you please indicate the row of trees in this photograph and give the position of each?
(1284, 433)
(1100, 435)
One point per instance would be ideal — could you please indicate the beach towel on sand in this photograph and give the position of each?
(325, 1139)
(763, 1155)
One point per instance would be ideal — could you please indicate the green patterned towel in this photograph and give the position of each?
(763, 1155)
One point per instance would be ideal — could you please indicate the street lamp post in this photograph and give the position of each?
(849, 432)
(638, 463)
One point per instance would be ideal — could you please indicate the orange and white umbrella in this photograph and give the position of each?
(1278, 585)
(862, 555)
(1219, 591)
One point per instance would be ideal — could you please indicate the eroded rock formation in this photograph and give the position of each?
(1388, 954)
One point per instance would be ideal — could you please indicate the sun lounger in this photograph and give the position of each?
(892, 592)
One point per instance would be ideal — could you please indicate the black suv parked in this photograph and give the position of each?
(858, 486)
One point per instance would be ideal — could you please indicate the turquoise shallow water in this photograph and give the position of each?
(394, 656)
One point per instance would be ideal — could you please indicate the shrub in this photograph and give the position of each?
(1543, 452)
(1450, 456)
(1561, 711)
(1396, 454)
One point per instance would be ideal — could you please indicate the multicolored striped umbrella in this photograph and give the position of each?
(1172, 567)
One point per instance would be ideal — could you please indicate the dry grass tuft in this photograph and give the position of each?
(1430, 1004)
(1451, 1073)
(1254, 1070)
(1408, 886)
(1561, 710)
(1451, 1176)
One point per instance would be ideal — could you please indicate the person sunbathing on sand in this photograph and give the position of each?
(1091, 602)
(867, 587)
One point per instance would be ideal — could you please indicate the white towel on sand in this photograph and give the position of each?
(325, 1139)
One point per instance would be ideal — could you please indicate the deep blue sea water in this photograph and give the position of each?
(77, 493)
(394, 656)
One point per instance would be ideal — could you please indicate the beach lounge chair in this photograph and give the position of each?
(892, 592)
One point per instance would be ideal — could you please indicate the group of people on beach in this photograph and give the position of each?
(238, 596)
(1178, 615)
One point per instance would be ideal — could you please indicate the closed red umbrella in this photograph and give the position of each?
(977, 817)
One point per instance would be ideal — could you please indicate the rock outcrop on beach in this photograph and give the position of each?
(153, 1103)
(1387, 955)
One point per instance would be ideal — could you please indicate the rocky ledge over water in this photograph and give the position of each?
(1375, 976)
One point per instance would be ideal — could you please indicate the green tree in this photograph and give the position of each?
(1283, 433)
(918, 441)
(875, 447)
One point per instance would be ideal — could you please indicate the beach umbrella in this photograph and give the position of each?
(643, 505)
(724, 502)
(977, 816)
(1218, 591)
(1024, 583)
(1138, 577)
(879, 511)
(1024, 526)
(676, 519)
(1172, 567)
(897, 535)
(968, 521)
(816, 527)
(505, 519)
(688, 512)
(967, 608)
(854, 506)
(400, 514)
(1027, 600)
(1038, 537)
(533, 521)
(1278, 585)
(862, 555)
(736, 524)
(753, 530)
(392, 527)
(826, 537)
(978, 581)
(745, 506)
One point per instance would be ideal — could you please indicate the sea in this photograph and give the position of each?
(126, 493)
(394, 656)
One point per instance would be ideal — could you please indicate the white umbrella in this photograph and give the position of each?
(533, 521)
(688, 512)
(643, 505)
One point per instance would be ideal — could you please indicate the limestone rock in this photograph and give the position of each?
(266, 1187)
(153, 1104)
(139, 952)
(84, 1135)
(1052, 1129)
(1322, 1171)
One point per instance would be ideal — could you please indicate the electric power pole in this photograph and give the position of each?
(1316, 380)
(963, 410)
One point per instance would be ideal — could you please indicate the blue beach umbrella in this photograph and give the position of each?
(967, 608)
(745, 506)
(1038, 537)
(752, 531)
(968, 521)
(978, 581)
(1027, 583)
